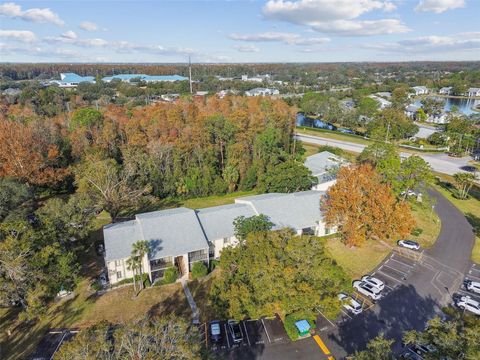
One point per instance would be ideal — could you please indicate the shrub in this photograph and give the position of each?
(199, 270)
(333, 149)
(213, 264)
(170, 276)
(290, 320)
(417, 232)
(146, 280)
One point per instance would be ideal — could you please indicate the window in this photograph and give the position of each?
(327, 231)
(119, 274)
(226, 241)
(118, 263)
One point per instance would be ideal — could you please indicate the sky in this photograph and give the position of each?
(239, 31)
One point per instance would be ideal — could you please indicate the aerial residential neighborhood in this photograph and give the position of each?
(241, 180)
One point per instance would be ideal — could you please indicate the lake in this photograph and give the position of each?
(464, 105)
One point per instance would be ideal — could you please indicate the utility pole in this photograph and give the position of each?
(190, 74)
(388, 130)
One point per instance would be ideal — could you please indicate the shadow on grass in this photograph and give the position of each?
(474, 220)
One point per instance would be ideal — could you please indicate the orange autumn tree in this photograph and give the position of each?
(363, 208)
(26, 156)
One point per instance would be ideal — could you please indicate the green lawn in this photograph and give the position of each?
(357, 261)
(470, 207)
(333, 135)
(214, 200)
(428, 221)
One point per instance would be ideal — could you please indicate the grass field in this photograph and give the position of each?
(215, 200)
(357, 261)
(428, 221)
(333, 135)
(470, 207)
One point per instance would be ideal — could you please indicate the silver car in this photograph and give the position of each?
(350, 304)
(374, 281)
(367, 289)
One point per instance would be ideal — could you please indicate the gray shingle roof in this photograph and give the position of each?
(119, 239)
(297, 210)
(320, 165)
(170, 233)
(217, 222)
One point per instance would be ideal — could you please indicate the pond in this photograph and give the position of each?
(464, 105)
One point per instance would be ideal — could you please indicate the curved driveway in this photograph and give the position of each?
(421, 296)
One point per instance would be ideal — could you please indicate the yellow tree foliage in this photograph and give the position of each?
(362, 207)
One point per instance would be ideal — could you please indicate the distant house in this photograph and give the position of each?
(144, 77)
(258, 78)
(180, 237)
(382, 103)
(222, 93)
(262, 92)
(438, 118)
(71, 80)
(11, 92)
(324, 166)
(385, 94)
(473, 92)
(445, 90)
(420, 90)
(411, 110)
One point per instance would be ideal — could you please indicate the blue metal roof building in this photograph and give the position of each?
(144, 77)
(72, 80)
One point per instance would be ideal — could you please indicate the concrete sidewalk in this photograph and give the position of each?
(191, 302)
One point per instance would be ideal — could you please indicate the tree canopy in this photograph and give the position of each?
(287, 177)
(146, 338)
(363, 207)
(277, 272)
(246, 225)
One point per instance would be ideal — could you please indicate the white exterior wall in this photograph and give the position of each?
(220, 244)
(120, 265)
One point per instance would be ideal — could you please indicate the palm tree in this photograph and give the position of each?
(132, 264)
(139, 250)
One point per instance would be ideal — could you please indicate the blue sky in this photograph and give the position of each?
(239, 31)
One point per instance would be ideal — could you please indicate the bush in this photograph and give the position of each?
(291, 319)
(170, 276)
(334, 150)
(146, 280)
(199, 270)
(213, 264)
(417, 232)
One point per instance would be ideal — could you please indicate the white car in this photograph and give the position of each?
(350, 304)
(473, 286)
(409, 244)
(409, 193)
(374, 281)
(367, 289)
(468, 304)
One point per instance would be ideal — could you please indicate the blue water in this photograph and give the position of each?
(464, 105)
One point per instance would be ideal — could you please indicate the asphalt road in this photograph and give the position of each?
(439, 162)
(419, 294)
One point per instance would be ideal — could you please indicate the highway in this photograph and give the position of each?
(441, 163)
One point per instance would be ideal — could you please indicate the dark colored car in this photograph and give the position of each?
(235, 331)
(215, 331)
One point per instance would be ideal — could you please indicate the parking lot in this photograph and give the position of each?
(394, 271)
(261, 332)
(472, 274)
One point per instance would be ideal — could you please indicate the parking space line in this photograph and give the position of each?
(246, 333)
(401, 272)
(473, 276)
(401, 262)
(226, 335)
(391, 277)
(322, 345)
(468, 293)
(345, 313)
(266, 332)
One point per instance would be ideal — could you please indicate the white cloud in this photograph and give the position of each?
(69, 35)
(439, 6)
(335, 16)
(18, 35)
(431, 44)
(71, 38)
(286, 38)
(88, 26)
(45, 15)
(38, 51)
(247, 48)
